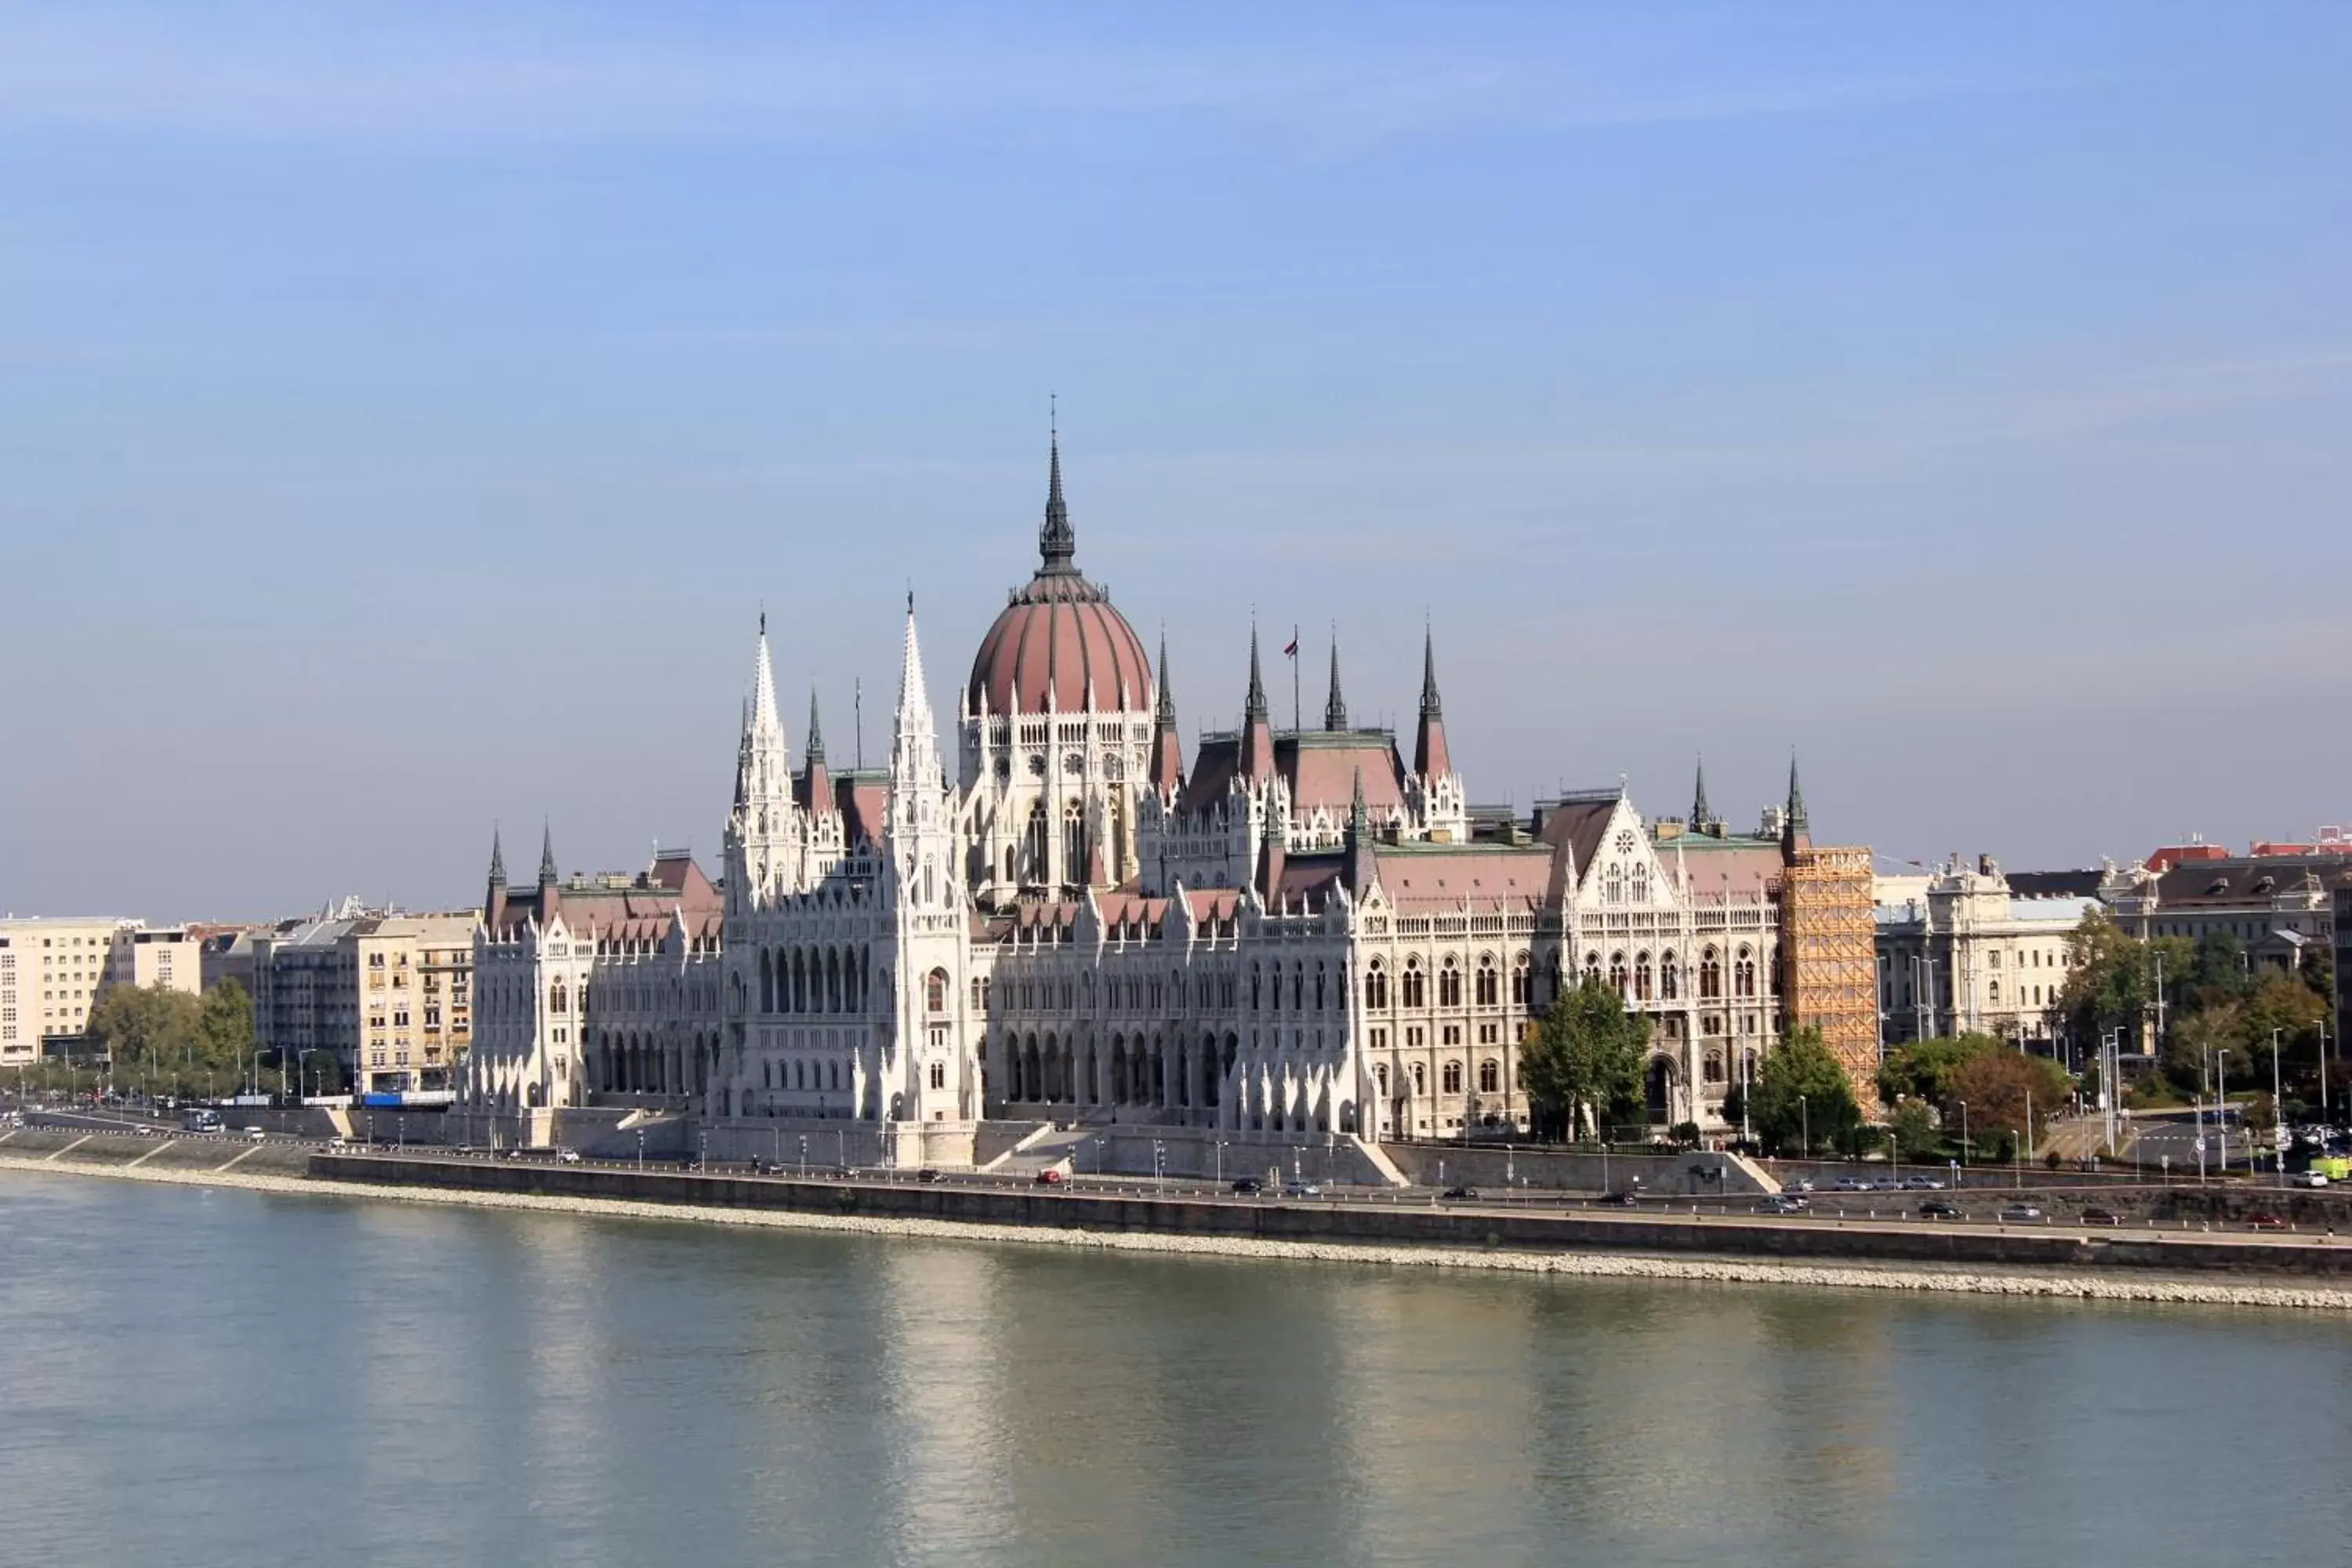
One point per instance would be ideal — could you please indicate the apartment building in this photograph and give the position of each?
(53, 971)
(389, 996)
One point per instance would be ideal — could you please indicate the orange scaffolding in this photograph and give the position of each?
(1829, 943)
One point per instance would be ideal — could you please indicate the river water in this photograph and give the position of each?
(207, 1377)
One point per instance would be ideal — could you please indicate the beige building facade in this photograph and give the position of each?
(53, 972)
(389, 996)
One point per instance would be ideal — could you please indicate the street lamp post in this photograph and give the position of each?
(1805, 1125)
(1220, 1162)
(2278, 1121)
(641, 1148)
(2025, 1142)
(1964, 1133)
(804, 1156)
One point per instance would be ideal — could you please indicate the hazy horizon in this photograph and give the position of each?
(405, 417)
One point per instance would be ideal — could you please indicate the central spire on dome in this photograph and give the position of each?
(1060, 646)
(1057, 547)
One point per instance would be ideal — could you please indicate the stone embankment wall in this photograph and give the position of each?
(1372, 1221)
(1492, 1166)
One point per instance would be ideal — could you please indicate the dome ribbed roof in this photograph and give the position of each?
(1060, 635)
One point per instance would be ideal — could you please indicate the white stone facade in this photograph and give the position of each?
(1959, 953)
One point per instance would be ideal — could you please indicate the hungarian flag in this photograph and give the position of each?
(1292, 650)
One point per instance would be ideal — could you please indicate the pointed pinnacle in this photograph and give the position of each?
(1255, 706)
(1335, 710)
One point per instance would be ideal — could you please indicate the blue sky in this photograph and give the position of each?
(405, 412)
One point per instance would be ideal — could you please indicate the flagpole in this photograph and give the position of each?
(1297, 721)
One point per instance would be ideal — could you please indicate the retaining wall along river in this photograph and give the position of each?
(1370, 1222)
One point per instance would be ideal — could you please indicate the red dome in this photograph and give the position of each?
(1060, 634)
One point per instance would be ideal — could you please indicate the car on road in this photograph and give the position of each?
(567, 1156)
(1852, 1184)
(256, 1133)
(2096, 1216)
(1921, 1184)
(1781, 1203)
(1051, 1176)
(1301, 1190)
(1249, 1186)
(1459, 1195)
(2019, 1214)
(2308, 1179)
(1798, 1185)
(2265, 1220)
(927, 1175)
(1619, 1200)
(1942, 1208)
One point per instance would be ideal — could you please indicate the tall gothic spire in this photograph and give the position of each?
(1167, 746)
(1163, 707)
(817, 780)
(1335, 710)
(763, 684)
(1699, 816)
(1257, 733)
(1057, 546)
(1431, 707)
(547, 872)
(497, 861)
(1795, 831)
(914, 733)
(1254, 707)
(1431, 756)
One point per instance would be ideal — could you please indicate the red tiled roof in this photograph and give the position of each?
(1322, 768)
(1716, 869)
(1420, 879)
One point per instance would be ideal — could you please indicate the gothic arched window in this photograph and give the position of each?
(1415, 983)
(1617, 982)
(1452, 1078)
(1743, 973)
(1376, 987)
(1074, 844)
(1710, 974)
(1034, 850)
(935, 991)
(1488, 991)
(1641, 976)
(1490, 1076)
(1449, 985)
(1670, 978)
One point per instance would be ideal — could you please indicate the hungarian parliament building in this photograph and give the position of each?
(1285, 932)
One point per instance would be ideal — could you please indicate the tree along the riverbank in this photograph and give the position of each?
(1584, 1057)
(172, 1043)
(2225, 1015)
(1802, 1101)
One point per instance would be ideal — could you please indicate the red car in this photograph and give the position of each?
(2265, 1221)
(1050, 1177)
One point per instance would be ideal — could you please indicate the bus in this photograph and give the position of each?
(200, 1119)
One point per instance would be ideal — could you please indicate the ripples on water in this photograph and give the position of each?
(209, 1378)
